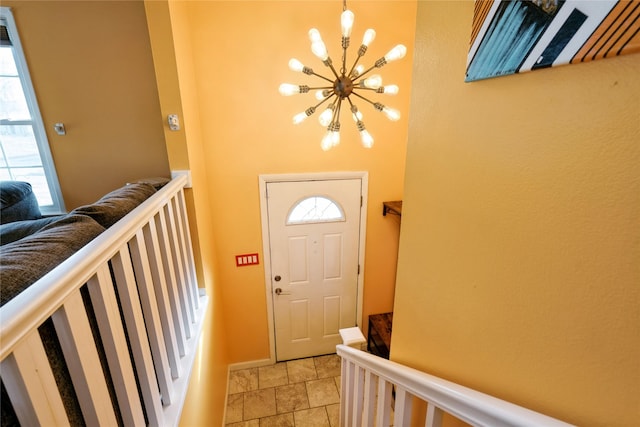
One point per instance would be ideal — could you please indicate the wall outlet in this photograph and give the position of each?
(247, 259)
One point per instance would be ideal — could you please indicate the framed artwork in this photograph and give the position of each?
(515, 36)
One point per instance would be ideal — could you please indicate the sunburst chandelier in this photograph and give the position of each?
(345, 84)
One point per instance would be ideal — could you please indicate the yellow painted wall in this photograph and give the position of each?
(92, 69)
(240, 55)
(519, 264)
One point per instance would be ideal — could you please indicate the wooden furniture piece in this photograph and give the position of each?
(394, 207)
(379, 336)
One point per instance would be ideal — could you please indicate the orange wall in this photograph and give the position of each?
(91, 66)
(240, 56)
(520, 246)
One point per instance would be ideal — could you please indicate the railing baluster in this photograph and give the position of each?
(434, 416)
(348, 402)
(403, 408)
(159, 286)
(182, 257)
(105, 305)
(153, 323)
(383, 408)
(184, 298)
(139, 339)
(79, 349)
(369, 398)
(358, 395)
(169, 274)
(186, 237)
(31, 386)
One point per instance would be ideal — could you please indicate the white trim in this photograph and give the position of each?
(250, 364)
(318, 176)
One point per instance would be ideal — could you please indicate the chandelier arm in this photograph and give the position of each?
(323, 77)
(329, 64)
(367, 71)
(355, 63)
(336, 112)
(323, 101)
(360, 86)
(354, 109)
(345, 46)
(362, 97)
(320, 87)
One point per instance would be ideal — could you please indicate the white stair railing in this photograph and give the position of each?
(366, 397)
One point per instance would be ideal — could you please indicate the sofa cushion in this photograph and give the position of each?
(18, 229)
(17, 202)
(113, 206)
(26, 260)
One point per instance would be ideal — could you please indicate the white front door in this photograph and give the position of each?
(314, 235)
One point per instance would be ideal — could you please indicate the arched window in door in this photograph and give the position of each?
(315, 209)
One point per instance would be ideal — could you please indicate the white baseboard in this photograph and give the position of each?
(250, 364)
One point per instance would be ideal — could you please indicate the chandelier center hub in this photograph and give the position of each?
(343, 86)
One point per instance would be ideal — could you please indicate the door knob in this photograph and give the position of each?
(278, 291)
(277, 278)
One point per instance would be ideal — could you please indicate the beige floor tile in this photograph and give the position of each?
(243, 380)
(234, 408)
(328, 366)
(315, 417)
(283, 420)
(301, 370)
(333, 411)
(291, 398)
(338, 384)
(259, 403)
(273, 376)
(322, 392)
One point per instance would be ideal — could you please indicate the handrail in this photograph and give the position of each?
(35, 304)
(469, 405)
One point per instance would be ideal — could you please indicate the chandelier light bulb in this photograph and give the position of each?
(357, 71)
(295, 65)
(396, 53)
(320, 50)
(320, 95)
(357, 116)
(287, 89)
(346, 21)
(391, 89)
(314, 35)
(299, 118)
(369, 36)
(326, 116)
(372, 82)
(391, 113)
(366, 138)
(335, 138)
(327, 141)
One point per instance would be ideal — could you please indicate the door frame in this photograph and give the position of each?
(264, 179)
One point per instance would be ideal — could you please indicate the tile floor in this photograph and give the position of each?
(302, 393)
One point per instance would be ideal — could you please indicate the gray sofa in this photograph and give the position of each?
(32, 245)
